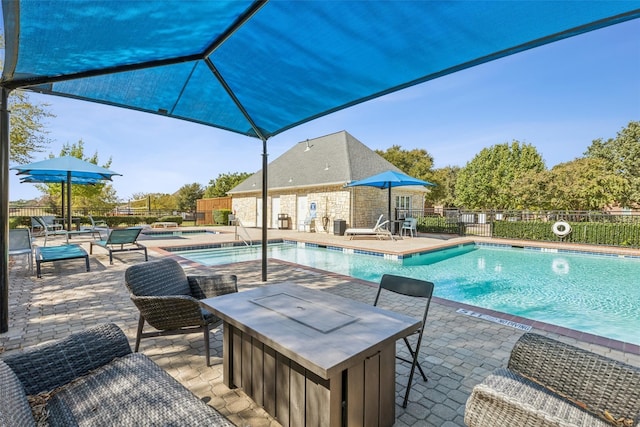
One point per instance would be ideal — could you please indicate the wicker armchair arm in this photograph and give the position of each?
(169, 312)
(55, 363)
(587, 378)
(212, 286)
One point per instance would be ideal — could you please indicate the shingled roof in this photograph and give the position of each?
(337, 158)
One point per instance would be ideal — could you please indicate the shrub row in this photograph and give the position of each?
(592, 233)
(438, 224)
(221, 216)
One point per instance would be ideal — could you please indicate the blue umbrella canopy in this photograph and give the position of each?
(389, 179)
(64, 169)
(57, 167)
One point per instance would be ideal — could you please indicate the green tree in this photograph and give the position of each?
(622, 156)
(416, 163)
(224, 182)
(444, 193)
(85, 197)
(583, 184)
(486, 182)
(27, 132)
(157, 201)
(187, 195)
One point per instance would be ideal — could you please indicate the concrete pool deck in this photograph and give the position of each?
(458, 350)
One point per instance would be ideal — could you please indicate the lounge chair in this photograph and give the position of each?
(123, 240)
(20, 244)
(48, 229)
(379, 230)
(97, 226)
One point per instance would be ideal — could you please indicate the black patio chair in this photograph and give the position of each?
(168, 299)
(413, 288)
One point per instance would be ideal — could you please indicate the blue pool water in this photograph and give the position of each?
(589, 293)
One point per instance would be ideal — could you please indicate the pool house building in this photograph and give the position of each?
(306, 188)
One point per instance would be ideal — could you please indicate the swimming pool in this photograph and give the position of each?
(595, 294)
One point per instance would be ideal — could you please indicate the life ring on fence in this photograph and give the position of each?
(561, 229)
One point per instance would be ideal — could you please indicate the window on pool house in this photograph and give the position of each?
(403, 206)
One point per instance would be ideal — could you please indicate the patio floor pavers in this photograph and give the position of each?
(458, 351)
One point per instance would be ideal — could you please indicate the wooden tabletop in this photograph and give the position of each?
(323, 332)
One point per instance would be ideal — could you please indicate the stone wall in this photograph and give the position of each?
(358, 206)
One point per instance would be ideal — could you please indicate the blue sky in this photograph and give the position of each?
(558, 97)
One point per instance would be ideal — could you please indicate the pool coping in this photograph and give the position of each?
(547, 327)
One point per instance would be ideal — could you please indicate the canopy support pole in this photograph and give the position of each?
(259, 134)
(4, 211)
(68, 201)
(265, 241)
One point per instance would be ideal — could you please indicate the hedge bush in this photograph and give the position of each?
(438, 224)
(221, 216)
(591, 233)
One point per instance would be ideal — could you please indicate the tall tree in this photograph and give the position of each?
(622, 157)
(417, 162)
(224, 182)
(98, 196)
(487, 180)
(583, 184)
(157, 201)
(27, 131)
(187, 196)
(444, 193)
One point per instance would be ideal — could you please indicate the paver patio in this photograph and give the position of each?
(458, 351)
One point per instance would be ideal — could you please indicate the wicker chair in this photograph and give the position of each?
(168, 299)
(548, 383)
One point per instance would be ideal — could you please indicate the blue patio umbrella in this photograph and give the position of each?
(389, 179)
(58, 179)
(189, 59)
(64, 170)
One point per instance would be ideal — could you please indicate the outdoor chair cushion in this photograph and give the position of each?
(91, 378)
(14, 406)
(551, 383)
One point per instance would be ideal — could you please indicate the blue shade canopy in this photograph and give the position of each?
(57, 179)
(259, 68)
(389, 179)
(58, 167)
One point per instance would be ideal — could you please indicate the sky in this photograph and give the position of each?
(558, 98)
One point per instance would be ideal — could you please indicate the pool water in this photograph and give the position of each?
(590, 293)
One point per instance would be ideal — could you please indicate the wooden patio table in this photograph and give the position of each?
(310, 357)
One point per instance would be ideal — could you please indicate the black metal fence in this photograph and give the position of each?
(588, 227)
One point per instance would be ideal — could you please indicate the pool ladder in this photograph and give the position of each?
(242, 229)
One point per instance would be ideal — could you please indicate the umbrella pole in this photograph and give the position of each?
(62, 200)
(68, 200)
(391, 223)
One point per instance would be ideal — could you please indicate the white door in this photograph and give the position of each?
(303, 211)
(275, 210)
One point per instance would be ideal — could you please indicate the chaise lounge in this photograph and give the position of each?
(123, 240)
(550, 383)
(93, 378)
(378, 230)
